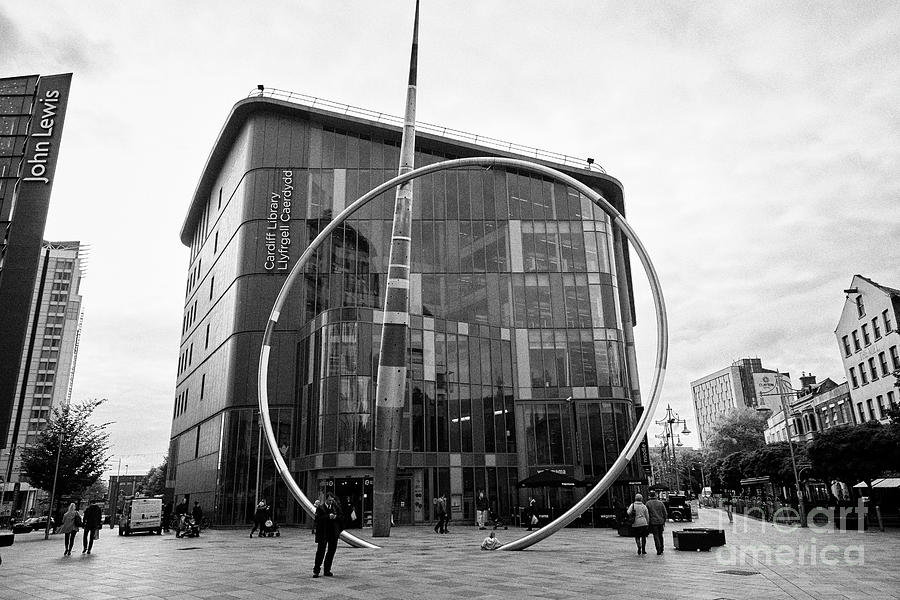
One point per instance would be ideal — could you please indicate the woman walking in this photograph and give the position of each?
(640, 526)
(71, 521)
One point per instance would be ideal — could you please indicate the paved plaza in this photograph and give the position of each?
(759, 561)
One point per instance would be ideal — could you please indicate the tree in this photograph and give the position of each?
(96, 492)
(852, 453)
(774, 461)
(737, 430)
(731, 471)
(83, 451)
(154, 483)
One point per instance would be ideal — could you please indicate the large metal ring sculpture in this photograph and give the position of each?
(662, 340)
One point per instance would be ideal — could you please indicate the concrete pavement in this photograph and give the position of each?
(759, 561)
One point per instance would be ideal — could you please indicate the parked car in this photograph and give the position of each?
(33, 524)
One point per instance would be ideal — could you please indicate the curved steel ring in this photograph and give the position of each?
(659, 371)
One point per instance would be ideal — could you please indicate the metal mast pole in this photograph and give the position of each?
(787, 428)
(391, 386)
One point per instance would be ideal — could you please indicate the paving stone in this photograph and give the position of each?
(414, 563)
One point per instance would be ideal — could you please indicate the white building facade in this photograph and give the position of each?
(730, 388)
(869, 344)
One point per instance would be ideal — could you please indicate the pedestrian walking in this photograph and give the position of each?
(439, 512)
(71, 521)
(93, 520)
(640, 524)
(531, 514)
(166, 516)
(658, 516)
(260, 517)
(329, 524)
(482, 506)
(448, 514)
(197, 513)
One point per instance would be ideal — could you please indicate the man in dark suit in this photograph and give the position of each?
(329, 523)
(93, 519)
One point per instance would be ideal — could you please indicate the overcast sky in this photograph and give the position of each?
(757, 143)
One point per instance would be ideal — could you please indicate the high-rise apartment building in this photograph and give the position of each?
(520, 349)
(47, 365)
(745, 383)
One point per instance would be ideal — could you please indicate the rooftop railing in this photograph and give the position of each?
(455, 134)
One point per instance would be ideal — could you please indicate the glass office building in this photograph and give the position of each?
(520, 350)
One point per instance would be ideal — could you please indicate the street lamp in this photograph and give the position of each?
(669, 422)
(779, 383)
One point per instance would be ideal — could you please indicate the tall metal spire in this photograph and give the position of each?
(391, 388)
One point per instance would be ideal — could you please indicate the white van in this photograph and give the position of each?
(141, 514)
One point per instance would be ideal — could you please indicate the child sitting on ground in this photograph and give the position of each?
(490, 543)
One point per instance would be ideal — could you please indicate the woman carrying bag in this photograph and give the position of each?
(71, 521)
(640, 523)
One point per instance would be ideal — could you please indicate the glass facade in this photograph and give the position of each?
(513, 305)
(516, 349)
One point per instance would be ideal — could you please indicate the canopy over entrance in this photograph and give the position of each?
(549, 478)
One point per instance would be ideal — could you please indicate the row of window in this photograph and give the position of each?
(189, 317)
(181, 403)
(866, 337)
(549, 300)
(861, 374)
(186, 358)
(882, 409)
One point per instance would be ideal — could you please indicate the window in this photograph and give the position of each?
(862, 413)
(865, 332)
(191, 355)
(884, 365)
(872, 369)
(853, 379)
(856, 345)
(879, 400)
(212, 283)
(871, 409)
(219, 206)
(847, 351)
(860, 307)
(891, 402)
(876, 330)
(895, 358)
(206, 343)
(862, 374)
(216, 245)
(888, 327)
(203, 386)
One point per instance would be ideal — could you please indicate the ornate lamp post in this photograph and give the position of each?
(781, 393)
(669, 423)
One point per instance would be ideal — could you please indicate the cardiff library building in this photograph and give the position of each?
(520, 351)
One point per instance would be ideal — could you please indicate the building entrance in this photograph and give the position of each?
(402, 511)
(355, 497)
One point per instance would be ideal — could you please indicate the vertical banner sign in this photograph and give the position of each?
(27, 218)
(644, 448)
(277, 240)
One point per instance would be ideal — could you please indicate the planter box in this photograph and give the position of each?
(691, 540)
(716, 536)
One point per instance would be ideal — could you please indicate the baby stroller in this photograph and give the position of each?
(189, 527)
(497, 521)
(269, 528)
